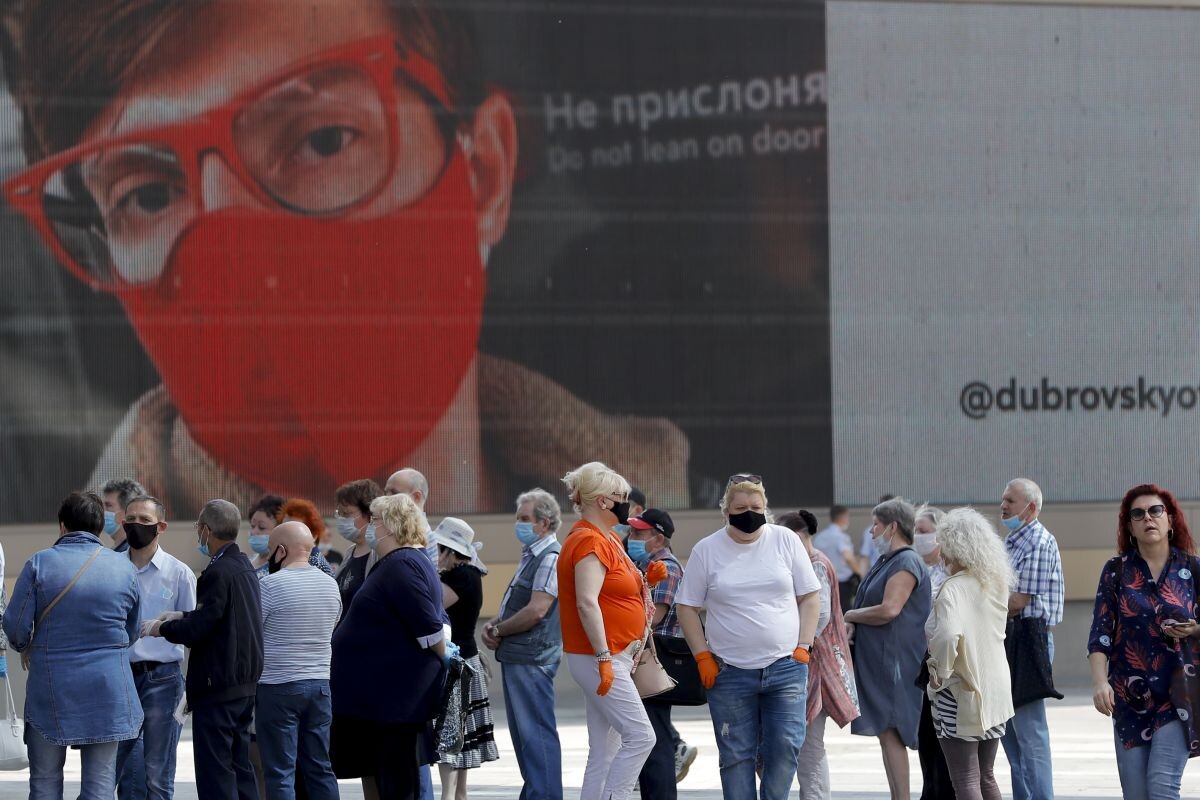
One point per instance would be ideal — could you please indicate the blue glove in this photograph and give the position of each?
(452, 650)
(3, 664)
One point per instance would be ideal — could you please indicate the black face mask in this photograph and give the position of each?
(622, 512)
(140, 534)
(274, 566)
(748, 521)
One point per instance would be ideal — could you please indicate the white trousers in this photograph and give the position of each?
(812, 767)
(620, 737)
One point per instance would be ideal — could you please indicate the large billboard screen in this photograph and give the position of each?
(263, 246)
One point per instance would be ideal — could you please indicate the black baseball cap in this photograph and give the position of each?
(637, 496)
(653, 519)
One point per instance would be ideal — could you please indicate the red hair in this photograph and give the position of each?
(1181, 538)
(306, 512)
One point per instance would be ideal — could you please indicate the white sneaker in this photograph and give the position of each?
(685, 754)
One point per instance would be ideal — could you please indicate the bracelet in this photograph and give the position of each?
(604, 655)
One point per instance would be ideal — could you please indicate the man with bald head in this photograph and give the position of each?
(412, 483)
(225, 636)
(300, 607)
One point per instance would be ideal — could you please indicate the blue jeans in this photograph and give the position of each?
(759, 713)
(46, 760)
(529, 706)
(1027, 745)
(146, 765)
(1155, 771)
(292, 721)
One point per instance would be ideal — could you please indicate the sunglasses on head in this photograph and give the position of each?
(1155, 512)
(755, 479)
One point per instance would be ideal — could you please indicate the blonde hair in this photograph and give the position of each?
(748, 488)
(969, 540)
(593, 479)
(400, 515)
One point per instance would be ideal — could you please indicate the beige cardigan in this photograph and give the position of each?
(966, 653)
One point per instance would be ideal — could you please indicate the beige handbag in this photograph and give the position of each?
(649, 675)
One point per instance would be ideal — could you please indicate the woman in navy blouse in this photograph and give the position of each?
(392, 637)
(1143, 645)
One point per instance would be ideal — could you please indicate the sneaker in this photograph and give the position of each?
(685, 754)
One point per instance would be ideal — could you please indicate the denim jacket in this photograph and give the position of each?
(80, 688)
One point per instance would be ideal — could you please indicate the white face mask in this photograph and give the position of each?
(924, 543)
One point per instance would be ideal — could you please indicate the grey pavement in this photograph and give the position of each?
(1081, 741)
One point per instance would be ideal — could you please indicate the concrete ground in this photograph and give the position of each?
(1081, 743)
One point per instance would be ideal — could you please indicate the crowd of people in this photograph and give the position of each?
(300, 673)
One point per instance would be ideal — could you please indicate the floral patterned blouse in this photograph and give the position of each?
(1153, 676)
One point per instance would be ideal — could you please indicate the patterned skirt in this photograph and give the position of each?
(479, 743)
(944, 710)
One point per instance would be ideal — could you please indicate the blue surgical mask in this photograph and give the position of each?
(1012, 523)
(637, 550)
(622, 530)
(369, 535)
(258, 543)
(525, 533)
(203, 548)
(110, 523)
(345, 527)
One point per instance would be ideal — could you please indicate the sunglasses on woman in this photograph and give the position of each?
(1155, 512)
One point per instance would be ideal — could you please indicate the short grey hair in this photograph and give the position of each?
(545, 507)
(1031, 491)
(899, 511)
(222, 518)
(160, 510)
(933, 513)
(125, 489)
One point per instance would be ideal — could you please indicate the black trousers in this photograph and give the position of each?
(657, 781)
(935, 775)
(221, 750)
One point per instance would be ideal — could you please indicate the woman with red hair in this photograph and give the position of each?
(300, 510)
(1144, 644)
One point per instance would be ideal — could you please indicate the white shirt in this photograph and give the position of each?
(166, 584)
(749, 591)
(834, 542)
(300, 607)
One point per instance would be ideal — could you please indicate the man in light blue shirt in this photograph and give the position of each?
(166, 584)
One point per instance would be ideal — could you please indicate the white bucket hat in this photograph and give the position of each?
(454, 534)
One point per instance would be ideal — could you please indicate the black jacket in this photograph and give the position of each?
(224, 632)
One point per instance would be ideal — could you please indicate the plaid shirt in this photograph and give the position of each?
(664, 592)
(1035, 560)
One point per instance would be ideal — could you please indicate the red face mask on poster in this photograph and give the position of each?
(304, 342)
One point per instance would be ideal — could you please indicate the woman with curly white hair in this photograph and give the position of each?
(969, 684)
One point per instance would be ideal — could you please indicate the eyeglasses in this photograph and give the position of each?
(1154, 511)
(755, 479)
(318, 138)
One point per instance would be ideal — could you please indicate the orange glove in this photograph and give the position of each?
(708, 668)
(802, 654)
(656, 572)
(606, 677)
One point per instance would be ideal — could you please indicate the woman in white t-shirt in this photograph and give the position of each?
(758, 586)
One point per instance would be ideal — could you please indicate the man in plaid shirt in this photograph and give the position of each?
(1039, 594)
(650, 540)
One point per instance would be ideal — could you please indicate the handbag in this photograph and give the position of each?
(449, 727)
(649, 676)
(1027, 648)
(677, 659)
(13, 755)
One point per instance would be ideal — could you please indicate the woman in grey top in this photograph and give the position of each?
(887, 629)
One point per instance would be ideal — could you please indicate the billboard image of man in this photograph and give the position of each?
(265, 190)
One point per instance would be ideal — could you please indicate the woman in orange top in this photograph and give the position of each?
(603, 613)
